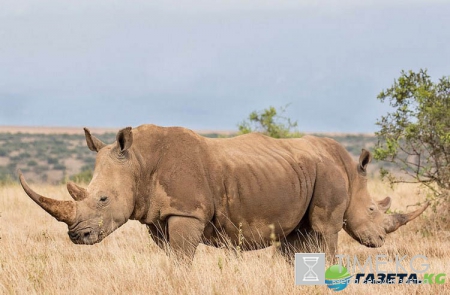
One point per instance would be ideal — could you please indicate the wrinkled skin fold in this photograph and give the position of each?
(189, 189)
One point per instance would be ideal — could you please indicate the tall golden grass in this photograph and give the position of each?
(37, 257)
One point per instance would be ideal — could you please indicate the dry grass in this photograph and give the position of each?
(37, 257)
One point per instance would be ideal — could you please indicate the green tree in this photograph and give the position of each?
(270, 122)
(415, 135)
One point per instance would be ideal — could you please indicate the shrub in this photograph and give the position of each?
(271, 123)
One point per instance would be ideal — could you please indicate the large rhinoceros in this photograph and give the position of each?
(189, 189)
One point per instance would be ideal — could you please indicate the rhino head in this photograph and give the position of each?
(108, 201)
(365, 219)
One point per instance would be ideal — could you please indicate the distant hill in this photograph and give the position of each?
(54, 155)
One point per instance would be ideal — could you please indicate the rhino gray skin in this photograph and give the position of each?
(189, 189)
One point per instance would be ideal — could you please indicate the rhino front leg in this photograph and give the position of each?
(307, 240)
(328, 205)
(327, 229)
(330, 243)
(158, 232)
(185, 234)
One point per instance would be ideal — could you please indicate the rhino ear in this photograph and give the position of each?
(124, 139)
(364, 159)
(93, 143)
(384, 204)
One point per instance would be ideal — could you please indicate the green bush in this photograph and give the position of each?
(270, 122)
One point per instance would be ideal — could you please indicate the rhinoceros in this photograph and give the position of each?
(248, 189)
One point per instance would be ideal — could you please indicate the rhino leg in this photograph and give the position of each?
(327, 208)
(300, 241)
(318, 231)
(307, 240)
(328, 238)
(185, 234)
(158, 232)
(330, 242)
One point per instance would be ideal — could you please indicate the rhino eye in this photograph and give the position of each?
(371, 209)
(103, 199)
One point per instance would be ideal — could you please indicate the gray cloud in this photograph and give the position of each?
(207, 64)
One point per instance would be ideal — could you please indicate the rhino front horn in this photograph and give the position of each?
(394, 221)
(62, 210)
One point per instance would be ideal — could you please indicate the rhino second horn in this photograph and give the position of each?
(394, 221)
(62, 210)
(76, 192)
(384, 204)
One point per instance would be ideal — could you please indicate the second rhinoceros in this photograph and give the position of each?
(189, 189)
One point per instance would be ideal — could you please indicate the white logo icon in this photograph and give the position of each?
(310, 275)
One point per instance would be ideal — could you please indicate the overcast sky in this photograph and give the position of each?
(208, 64)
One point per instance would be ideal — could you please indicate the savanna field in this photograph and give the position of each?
(37, 257)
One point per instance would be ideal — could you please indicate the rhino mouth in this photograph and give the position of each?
(372, 243)
(86, 236)
(367, 240)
